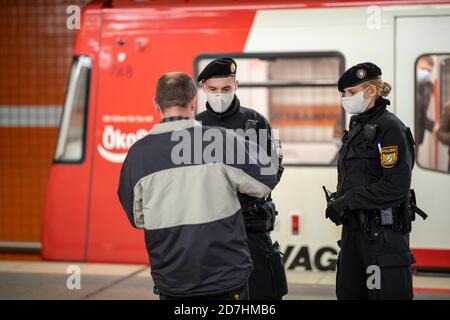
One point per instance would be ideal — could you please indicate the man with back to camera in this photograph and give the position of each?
(193, 225)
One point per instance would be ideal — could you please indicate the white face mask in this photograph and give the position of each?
(423, 75)
(355, 104)
(219, 102)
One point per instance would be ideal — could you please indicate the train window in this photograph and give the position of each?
(432, 112)
(297, 93)
(71, 135)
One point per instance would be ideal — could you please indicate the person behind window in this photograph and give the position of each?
(425, 89)
(443, 132)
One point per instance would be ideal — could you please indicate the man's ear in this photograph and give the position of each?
(193, 104)
(237, 84)
(191, 107)
(156, 105)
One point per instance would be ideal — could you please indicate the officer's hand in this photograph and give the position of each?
(336, 210)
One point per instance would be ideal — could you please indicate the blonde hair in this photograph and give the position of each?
(383, 88)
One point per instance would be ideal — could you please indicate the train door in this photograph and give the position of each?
(422, 90)
(64, 222)
(309, 116)
(125, 113)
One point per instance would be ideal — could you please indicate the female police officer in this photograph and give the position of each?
(374, 177)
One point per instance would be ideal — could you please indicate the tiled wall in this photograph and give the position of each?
(35, 56)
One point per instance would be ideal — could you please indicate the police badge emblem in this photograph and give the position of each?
(361, 73)
(389, 156)
(232, 68)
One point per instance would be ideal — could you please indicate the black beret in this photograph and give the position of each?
(358, 74)
(218, 68)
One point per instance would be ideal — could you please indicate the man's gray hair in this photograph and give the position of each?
(175, 89)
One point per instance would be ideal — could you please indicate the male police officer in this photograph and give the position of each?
(223, 109)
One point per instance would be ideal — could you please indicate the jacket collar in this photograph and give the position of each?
(380, 107)
(174, 118)
(174, 125)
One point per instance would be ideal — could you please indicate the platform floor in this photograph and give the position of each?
(47, 280)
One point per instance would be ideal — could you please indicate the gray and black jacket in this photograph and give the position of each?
(189, 209)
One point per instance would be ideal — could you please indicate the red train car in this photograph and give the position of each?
(123, 47)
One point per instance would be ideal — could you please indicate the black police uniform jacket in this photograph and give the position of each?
(235, 118)
(376, 160)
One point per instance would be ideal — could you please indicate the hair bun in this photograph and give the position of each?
(385, 89)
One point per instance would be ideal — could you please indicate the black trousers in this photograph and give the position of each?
(268, 278)
(360, 259)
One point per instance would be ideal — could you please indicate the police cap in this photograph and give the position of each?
(358, 74)
(218, 68)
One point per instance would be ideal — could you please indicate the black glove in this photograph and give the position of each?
(336, 210)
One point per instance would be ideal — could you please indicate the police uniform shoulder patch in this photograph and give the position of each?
(389, 156)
